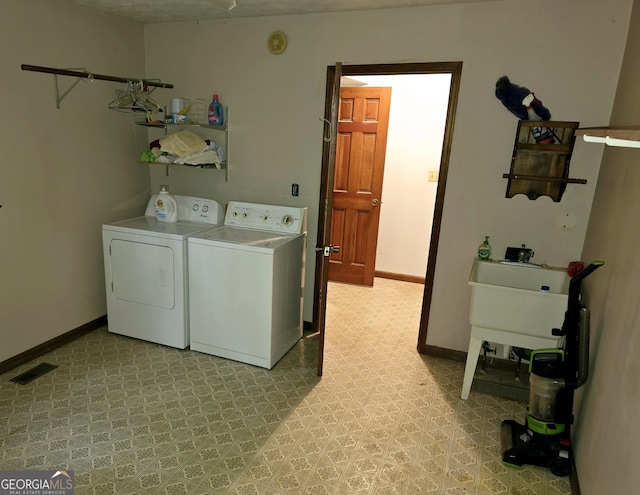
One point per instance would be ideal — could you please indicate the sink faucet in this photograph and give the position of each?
(525, 255)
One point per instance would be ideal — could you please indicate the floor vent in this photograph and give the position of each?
(33, 373)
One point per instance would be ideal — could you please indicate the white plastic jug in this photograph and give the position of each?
(166, 207)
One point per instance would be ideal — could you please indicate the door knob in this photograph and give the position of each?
(375, 202)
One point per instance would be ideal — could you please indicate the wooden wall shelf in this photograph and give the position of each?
(622, 137)
(542, 169)
(630, 133)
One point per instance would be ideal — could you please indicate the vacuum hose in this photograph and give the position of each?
(583, 347)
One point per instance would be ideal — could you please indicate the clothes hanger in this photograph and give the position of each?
(124, 100)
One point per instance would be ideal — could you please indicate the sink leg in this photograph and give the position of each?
(470, 368)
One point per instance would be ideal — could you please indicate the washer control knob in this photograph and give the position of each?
(205, 208)
(287, 220)
(195, 207)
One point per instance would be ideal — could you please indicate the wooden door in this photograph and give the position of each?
(334, 73)
(363, 119)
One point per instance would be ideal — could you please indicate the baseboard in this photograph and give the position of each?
(400, 277)
(492, 362)
(573, 479)
(432, 350)
(49, 345)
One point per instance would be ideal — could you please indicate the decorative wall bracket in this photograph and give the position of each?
(542, 169)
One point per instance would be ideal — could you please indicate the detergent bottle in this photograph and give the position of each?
(216, 112)
(165, 206)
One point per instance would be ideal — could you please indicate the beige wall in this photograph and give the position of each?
(63, 172)
(414, 147)
(570, 57)
(607, 434)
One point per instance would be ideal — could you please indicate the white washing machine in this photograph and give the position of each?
(145, 264)
(246, 282)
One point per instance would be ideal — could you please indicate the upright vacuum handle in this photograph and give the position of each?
(571, 317)
(576, 330)
(577, 279)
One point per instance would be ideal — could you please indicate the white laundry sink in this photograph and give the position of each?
(509, 297)
(508, 306)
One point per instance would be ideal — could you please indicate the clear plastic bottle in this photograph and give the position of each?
(216, 112)
(166, 207)
(484, 250)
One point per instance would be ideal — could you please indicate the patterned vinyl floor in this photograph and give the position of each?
(130, 417)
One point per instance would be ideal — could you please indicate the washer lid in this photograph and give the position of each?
(242, 237)
(147, 225)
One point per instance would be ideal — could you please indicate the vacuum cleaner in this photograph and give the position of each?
(554, 375)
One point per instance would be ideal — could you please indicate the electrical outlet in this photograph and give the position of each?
(433, 176)
(295, 189)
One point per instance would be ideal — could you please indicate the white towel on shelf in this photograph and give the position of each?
(183, 143)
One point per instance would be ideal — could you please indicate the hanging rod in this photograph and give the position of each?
(91, 75)
(87, 75)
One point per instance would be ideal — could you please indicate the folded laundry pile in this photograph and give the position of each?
(185, 148)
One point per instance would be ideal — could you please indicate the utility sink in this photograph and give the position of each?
(509, 297)
(508, 306)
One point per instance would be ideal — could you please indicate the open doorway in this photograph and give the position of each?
(334, 78)
(413, 149)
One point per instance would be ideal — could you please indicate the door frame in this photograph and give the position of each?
(326, 182)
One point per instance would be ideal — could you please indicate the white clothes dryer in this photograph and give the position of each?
(145, 263)
(246, 283)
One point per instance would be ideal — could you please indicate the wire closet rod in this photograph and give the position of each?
(90, 75)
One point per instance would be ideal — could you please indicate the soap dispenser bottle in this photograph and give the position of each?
(484, 250)
(166, 207)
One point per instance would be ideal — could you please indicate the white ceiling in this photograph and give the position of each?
(148, 11)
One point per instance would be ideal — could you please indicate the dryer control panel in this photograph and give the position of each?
(192, 209)
(271, 218)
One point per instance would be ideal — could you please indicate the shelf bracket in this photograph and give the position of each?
(59, 97)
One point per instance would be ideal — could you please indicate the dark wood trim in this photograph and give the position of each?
(455, 69)
(400, 277)
(442, 352)
(492, 361)
(50, 345)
